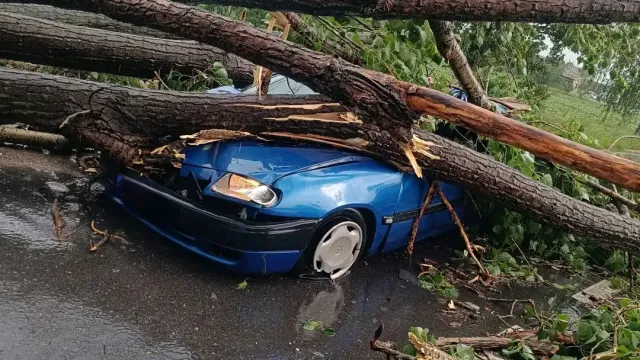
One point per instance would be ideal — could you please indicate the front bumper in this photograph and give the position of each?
(241, 245)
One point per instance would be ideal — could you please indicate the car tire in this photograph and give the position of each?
(342, 234)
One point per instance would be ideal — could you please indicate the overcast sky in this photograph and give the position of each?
(569, 56)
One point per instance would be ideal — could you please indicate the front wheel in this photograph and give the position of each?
(336, 246)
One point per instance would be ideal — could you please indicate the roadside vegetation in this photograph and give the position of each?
(564, 109)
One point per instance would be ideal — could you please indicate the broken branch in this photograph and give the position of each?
(416, 221)
(539, 347)
(456, 219)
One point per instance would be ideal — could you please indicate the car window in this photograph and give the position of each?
(281, 85)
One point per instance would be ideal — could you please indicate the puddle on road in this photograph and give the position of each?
(25, 215)
(37, 326)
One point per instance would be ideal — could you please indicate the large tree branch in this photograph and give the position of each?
(82, 18)
(133, 121)
(45, 101)
(450, 50)
(46, 42)
(381, 99)
(540, 11)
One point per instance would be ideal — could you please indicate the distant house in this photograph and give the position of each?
(572, 76)
(566, 76)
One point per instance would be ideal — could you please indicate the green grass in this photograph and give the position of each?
(562, 108)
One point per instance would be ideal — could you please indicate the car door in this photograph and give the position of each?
(435, 220)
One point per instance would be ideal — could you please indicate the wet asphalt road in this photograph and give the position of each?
(149, 299)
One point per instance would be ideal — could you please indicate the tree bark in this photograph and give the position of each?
(46, 42)
(135, 120)
(45, 101)
(450, 50)
(539, 11)
(380, 99)
(81, 18)
(539, 347)
(32, 138)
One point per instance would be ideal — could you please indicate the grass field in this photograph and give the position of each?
(561, 108)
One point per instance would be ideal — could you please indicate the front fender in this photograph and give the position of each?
(315, 194)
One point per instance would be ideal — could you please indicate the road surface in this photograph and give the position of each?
(148, 299)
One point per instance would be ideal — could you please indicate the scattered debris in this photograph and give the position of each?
(93, 246)
(467, 305)
(539, 347)
(242, 285)
(56, 189)
(313, 325)
(425, 346)
(424, 349)
(596, 293)
(58, 222)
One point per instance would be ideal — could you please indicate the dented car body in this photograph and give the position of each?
(257, 207)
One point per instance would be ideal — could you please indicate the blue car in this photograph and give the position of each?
(278, 207)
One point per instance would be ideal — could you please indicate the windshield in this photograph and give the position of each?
(281, 85)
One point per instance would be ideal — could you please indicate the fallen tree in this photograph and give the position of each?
(39, 41)
(134, 121)
(45, 101)
(81, 18)
(380, 99)
(541, 11)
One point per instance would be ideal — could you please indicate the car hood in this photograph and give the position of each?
(265, 162)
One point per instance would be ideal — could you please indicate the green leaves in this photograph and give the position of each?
(520, 349)
(547, 180)
(463, 352)
(439, 284)
(313, 325)
(328, 332)
(617, 262)
(242, 285)
(422, 334)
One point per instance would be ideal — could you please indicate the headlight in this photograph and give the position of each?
(242, 187)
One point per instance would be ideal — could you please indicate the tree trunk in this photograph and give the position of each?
(539, 11)
(45, 101)
(450, 50)
(132, 120)
(45, 42)
(81, 18)
(380, 99)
